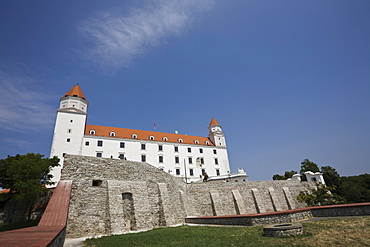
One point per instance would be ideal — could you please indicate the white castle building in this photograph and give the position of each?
(185, 156)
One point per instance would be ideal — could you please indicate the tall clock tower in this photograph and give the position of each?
(215, 134)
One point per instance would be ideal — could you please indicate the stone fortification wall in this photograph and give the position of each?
(111, 196)
(126, 196)
(235, 198)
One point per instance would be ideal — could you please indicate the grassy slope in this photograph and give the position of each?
(332, 232)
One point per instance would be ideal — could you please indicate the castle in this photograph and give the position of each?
(185, 156)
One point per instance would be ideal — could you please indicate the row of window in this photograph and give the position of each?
(160, 158)
(134, 136)
(143, 146)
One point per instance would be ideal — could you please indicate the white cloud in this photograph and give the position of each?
(118, 39)
(23, 106)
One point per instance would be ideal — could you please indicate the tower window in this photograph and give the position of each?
(122, 145)
(100, 143)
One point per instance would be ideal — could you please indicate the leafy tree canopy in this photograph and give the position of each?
(26, 176)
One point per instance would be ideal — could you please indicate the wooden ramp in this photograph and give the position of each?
(51, 228)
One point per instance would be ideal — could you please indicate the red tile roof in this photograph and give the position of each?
(76, 91)
(214, 122)
(146, 135)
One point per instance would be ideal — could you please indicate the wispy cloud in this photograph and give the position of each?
(23, 106)
(118, 39)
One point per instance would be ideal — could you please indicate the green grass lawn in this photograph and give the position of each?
(332, 232)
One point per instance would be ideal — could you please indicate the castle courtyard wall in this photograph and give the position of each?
(111, 196)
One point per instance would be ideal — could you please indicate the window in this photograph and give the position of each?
(151, 138)
(176, 149)
(165, 139)
(160, 158)
(202, 161)
(201, 150)
(134, 136)
(160, 148)
(189, 150)
(121, 156)
(216, 161)
(143, 158)
(69, 130)
(177, 160)
(98, 154)
(203, 171)
(177, 171)
(87, 143)
(112, 134)
(122, 145)
(71, 121)
(217, 172)
(127, 196)
(214, 151)
(100, 143)
(143, 146)
(207, 142)
(92, 132)
(190, 160)
(96, 182)
(179, 140)
(191, 172)
(68, 140)
(196, 142)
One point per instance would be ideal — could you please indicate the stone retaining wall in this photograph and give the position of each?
(111, 196)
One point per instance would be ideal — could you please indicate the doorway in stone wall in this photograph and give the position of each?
(128, 212)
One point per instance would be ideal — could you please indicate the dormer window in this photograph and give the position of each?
(165, 139)
(196, 142)
(134, 136)
(179, 140)
(92, 132)
(151, 138)
(207, 142)
(112, 134)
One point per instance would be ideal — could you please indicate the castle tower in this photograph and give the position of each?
(69, 127)
(215, 134)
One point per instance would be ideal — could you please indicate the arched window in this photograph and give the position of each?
(165, 139)
(151, 138)
(196, 142)
(207, 142)
(92, 132)
(112, 134)
(134, 136)
(179, 140)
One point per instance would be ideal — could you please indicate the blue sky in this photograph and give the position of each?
(287, 80)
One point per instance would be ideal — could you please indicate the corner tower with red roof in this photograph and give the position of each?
(184, 156)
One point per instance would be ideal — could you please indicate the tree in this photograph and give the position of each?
(287, 174)
(26, 177)
(331, 176)
(319, 196)
(307, 165)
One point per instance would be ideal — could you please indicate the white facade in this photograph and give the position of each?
(188, 157)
